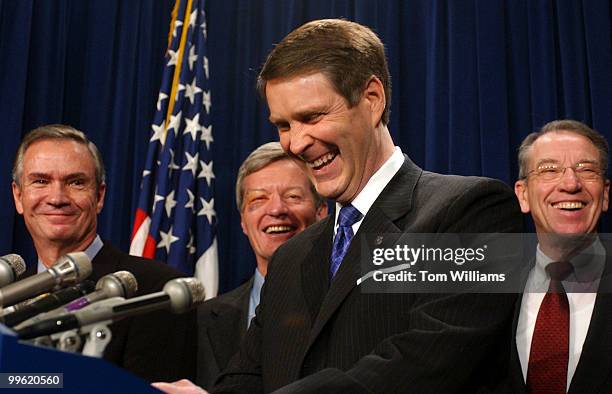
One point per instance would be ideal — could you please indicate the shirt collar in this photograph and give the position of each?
(91, 251)
(365, 199)
(588, 268)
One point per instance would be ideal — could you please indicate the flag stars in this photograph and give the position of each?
(175, 122)
(191, 90)
(207, 171)
(158, 132)
(206, 101)
(156, 199)
(208, 209)
(173, 57)
(207, 136)
(192, 163)
(193, 18)
(180, 88)
(172, 165)
(203, 27)
(192, 127)
(191, 197)
(177, 24)
(206, 66)
(166, 240)
(190, 246)
(162, 96)
(192, 57)
(170, 203)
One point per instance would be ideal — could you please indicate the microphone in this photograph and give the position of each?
(69, 269)
(11, 266)
(178, 295)
(119, 284)
(48, 302)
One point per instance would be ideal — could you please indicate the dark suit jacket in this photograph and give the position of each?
(594, 370)
(222, 323)
(157, 346)
(339, 339)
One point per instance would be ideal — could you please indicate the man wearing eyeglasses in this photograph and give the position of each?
(560, 333)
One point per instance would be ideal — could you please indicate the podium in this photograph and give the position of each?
(81, 374)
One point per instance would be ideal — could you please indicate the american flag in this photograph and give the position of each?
(176, 221)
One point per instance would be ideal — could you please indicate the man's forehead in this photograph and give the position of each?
(317, 85)
(61, 155)
(557, 145)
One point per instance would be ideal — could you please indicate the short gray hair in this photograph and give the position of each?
(572, 126)
(261, 157)
(59, 132)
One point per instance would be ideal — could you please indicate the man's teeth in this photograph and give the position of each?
(569, 205)
(322, 160)
(277, 229)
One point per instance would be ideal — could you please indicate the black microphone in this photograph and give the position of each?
(119, 284)
(11, 267)
(48, 302)
(68, 270)
(178, 295)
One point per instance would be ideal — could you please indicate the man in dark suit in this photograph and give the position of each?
(327, 86)
(562, 324)
(59, 187)
(276, 201)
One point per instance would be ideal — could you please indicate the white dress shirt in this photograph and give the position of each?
(581, 288)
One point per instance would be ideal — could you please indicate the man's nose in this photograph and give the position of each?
(58, 194)
(299, 139)
(277, 205)
(570, 181)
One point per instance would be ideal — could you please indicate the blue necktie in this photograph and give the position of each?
(348, 216)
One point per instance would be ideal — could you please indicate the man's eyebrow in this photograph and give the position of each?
(547, 161)
(73, 175)
(554, 161)
(38, 175)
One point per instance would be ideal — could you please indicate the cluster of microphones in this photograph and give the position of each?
(60, 308)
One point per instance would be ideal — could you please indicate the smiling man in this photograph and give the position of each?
(563, 323)
(59, 187)
(328, 89)
(276, 201)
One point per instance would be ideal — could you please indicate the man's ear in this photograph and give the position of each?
(242, 225)
(374, 96)
(520, 189)
(322, 211)
(606, 195)
(101, 193)
(17, 198)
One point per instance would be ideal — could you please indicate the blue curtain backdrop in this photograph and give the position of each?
(470, 79)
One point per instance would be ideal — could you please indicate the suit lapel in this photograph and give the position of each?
(595, 366)
(516, 380)
(393, 203)
(230, 322)
(314, 274)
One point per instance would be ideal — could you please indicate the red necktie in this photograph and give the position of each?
(547, 371)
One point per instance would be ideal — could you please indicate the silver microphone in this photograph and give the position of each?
(178, 295)
(68, 270)
(11, 267)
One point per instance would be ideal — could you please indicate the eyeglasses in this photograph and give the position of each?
(551, 172)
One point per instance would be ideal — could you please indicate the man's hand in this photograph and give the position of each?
(182, 386)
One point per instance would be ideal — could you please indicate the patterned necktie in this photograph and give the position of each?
(348, 216)
(547, 370)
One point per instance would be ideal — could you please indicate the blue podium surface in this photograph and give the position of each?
(80, 374)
